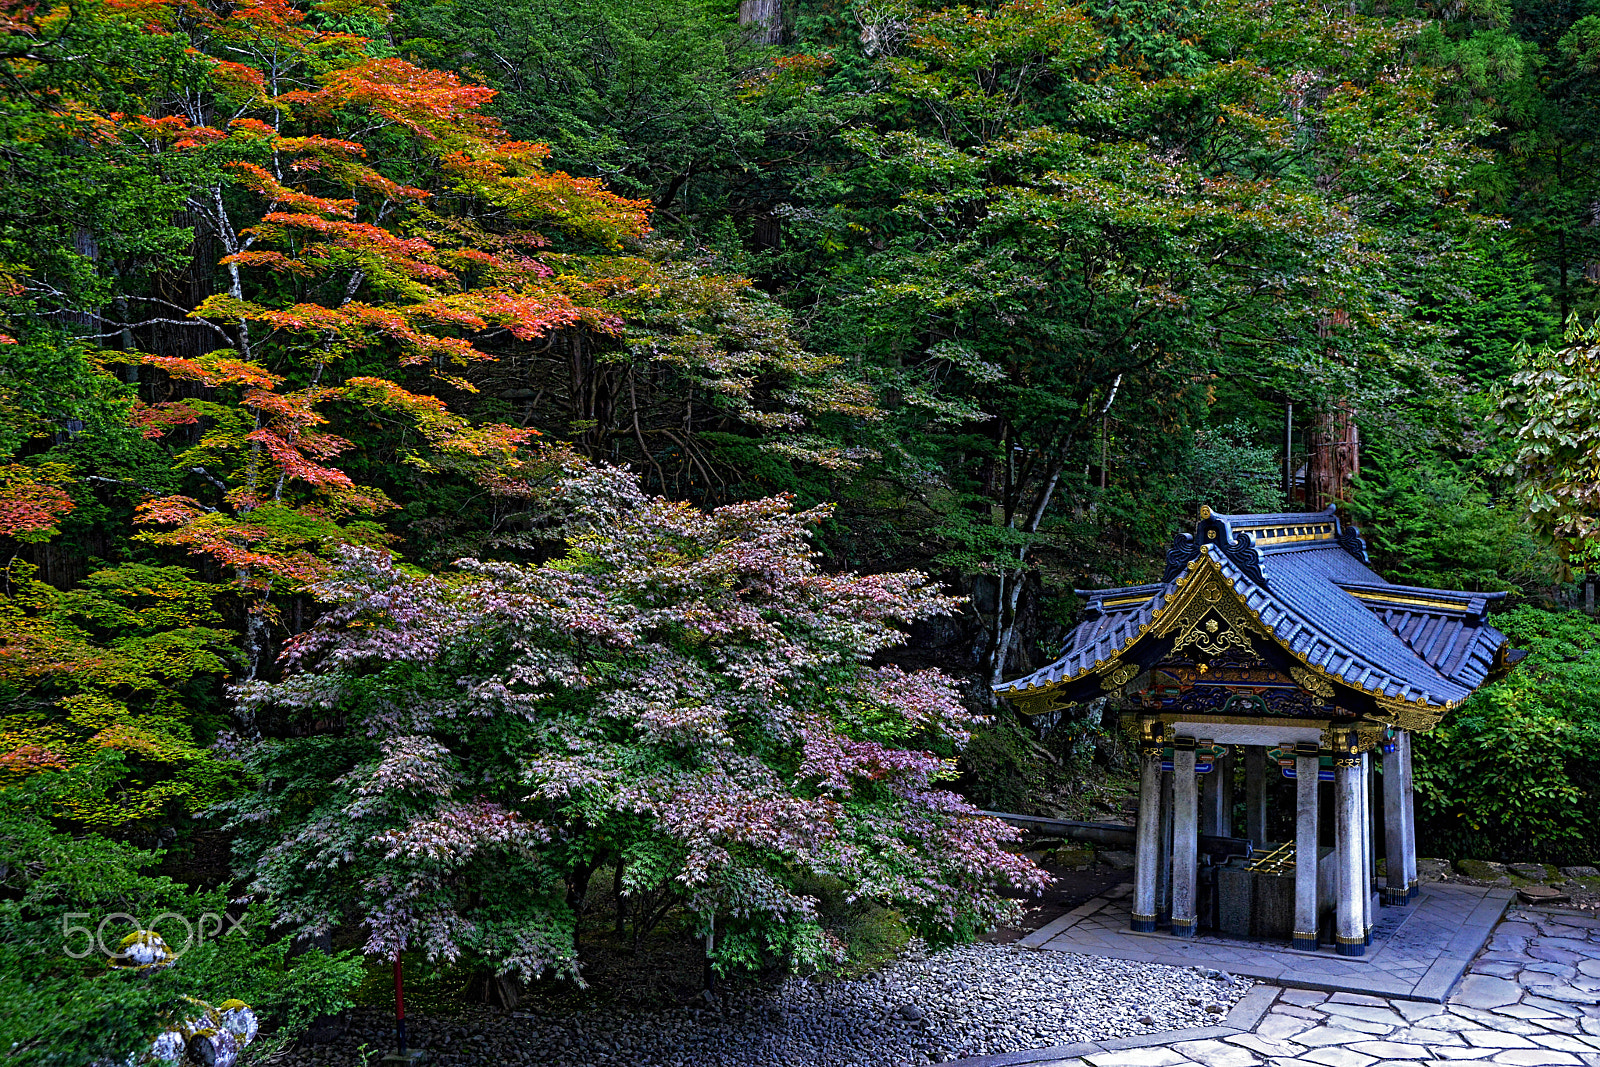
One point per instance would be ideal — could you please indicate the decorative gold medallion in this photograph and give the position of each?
(1311, 681)
(1120, 677)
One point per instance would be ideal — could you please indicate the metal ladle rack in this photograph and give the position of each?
(1279, 861)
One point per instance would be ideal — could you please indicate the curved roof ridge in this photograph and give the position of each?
(1321, 604)
(1276, 518)
(1371, 658)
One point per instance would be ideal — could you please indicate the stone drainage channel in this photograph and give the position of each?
(1530, 999)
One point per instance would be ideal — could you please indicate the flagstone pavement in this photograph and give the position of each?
(1531, 998)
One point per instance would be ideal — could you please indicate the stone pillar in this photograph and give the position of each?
(1211, 800)
(1185, 839)
(1164, 855)
(1147, 847)
(1369, 852)
(1396, 889)
(1350, 938)
(1306, 852)
(1408, 795)
(1225, 769)
(1255, 794)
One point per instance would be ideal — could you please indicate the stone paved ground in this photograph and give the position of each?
(1417, 951)
(1530, 999)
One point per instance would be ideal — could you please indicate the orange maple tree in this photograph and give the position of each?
(366, 207)
(383, 252)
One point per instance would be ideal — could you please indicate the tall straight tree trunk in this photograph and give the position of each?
(1335, 452)
(1335, 456)
(765, 18)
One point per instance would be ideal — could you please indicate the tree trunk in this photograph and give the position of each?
(1010, 588)
(765, 19)
(1335, 457)
(621, 901)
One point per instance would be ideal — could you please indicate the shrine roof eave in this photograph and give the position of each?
(1306, 612)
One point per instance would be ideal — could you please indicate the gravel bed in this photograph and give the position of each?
(965, 1001)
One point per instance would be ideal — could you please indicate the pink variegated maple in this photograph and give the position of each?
(682, 693)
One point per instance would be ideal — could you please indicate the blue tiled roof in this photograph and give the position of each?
(1320, 600)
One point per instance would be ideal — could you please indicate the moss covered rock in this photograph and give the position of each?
(1068, 856)
(1482, 870)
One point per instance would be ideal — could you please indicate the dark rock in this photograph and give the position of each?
(1117, 861)
(1076, 858)
(325, 1028)
(1430, 869)
(911, 1013)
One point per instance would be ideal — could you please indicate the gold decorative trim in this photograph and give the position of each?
(1119, 677)
(1313, 683)
(1204, 591)
(1039, 702)
(1446, 605)
(1285, 533)
(1141, 729)
(1404, 716)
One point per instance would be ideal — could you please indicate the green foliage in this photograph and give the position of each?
(1514, 774)
(1431, 521)
(1060, 221)
(1028, 283)
(641, 93)
(1490, 302)
(59, 1010)
(1231, 475)
(872, 935)
(1002, 768)
(1550, 409)
(127, 662)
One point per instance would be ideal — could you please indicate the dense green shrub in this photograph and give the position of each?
(1515, 773)
(1429, 520)
(1228, 473)
(58, 1009)
(1002, 768)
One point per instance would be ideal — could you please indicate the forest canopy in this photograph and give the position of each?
(693, 413)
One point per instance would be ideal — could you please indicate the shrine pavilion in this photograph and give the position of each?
(1269, 640)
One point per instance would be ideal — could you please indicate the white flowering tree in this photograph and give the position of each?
(682, 694)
